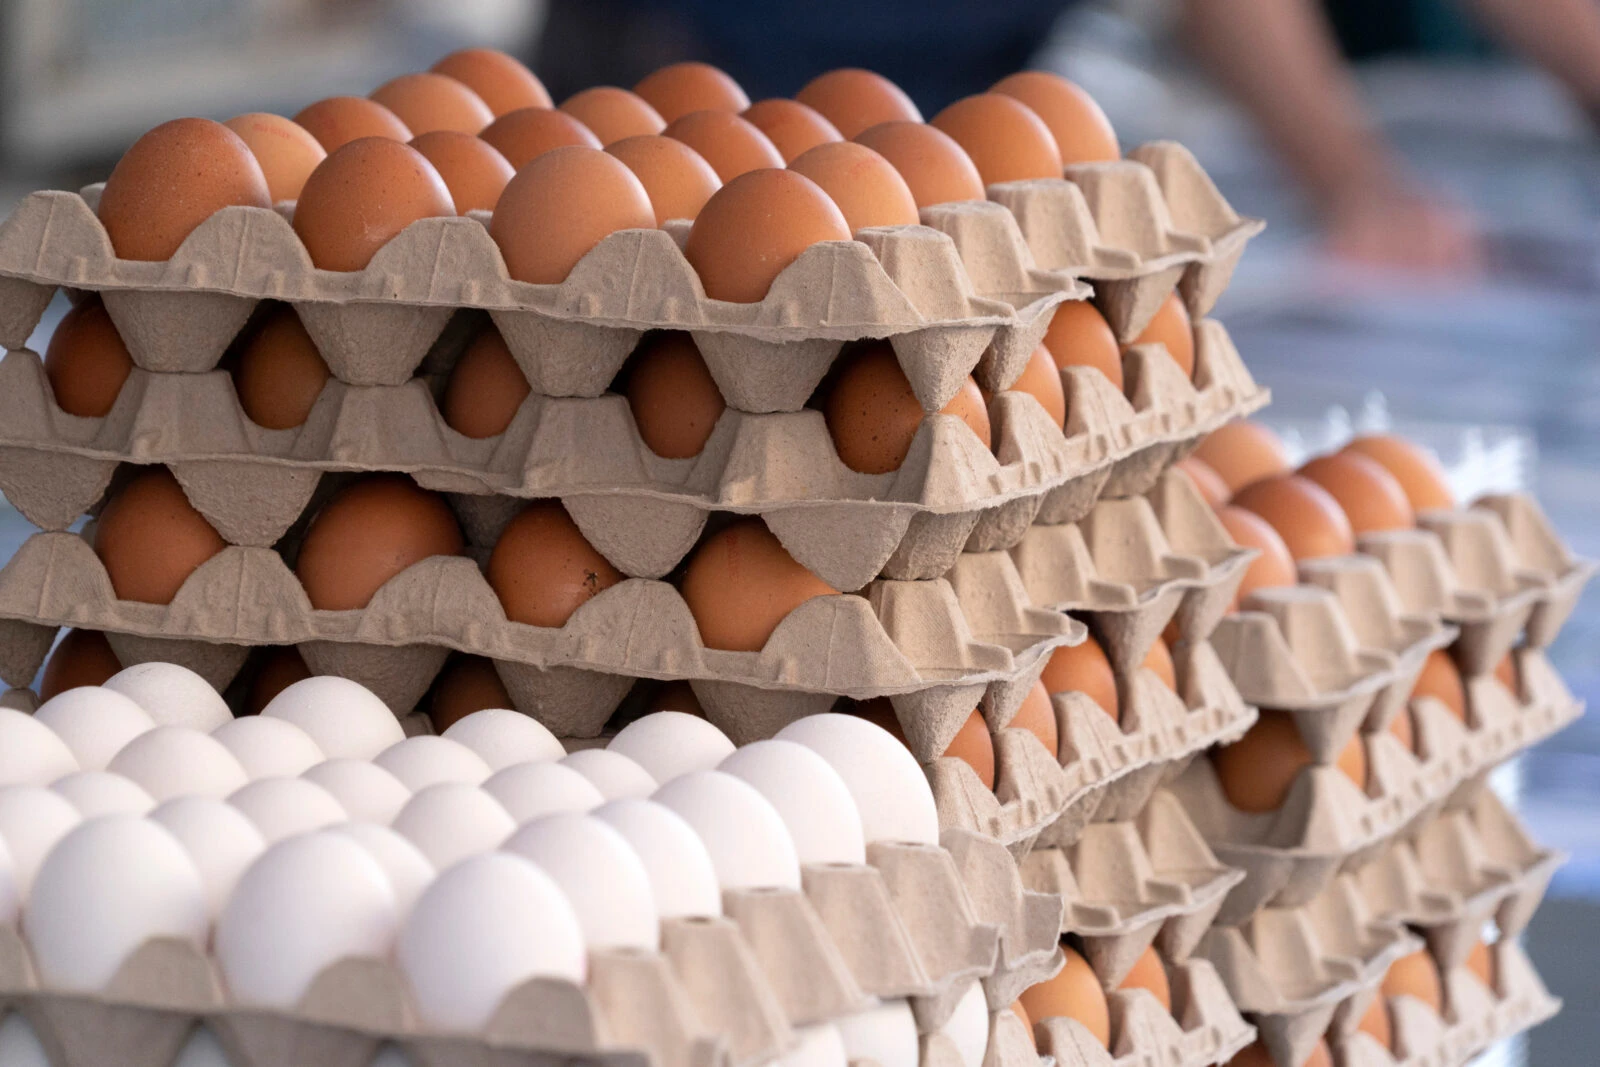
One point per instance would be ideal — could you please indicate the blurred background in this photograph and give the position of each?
(1430, 170)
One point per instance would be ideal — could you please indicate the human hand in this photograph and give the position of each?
(1401, 228)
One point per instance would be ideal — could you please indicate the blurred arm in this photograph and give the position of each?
(1562, 36)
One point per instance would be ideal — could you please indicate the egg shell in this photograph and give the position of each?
(287, 807)
(864, 185)
(338, 120)
(1441, 680)
(269, 748)
(172, 695)
(683, 881)
(1148, 974)
(885, 1034)
(280, 668)
(1079, 336)
(175, 761)
(616, 776)
(93, 723)
(855, 100)
(19, 1045)
(1171, 328)
(500, 80)
(741, 583)
(473, 169)
(792, 127)
(1243, 452)
(107, 887)
(481, 929)
(219, 839)
(749, 845)
(202, 1049)
(671, 743)
(890, 790)
(407, 869)
(674, 400)
(1085, 668)
(937, 170)
(613, 114)
(1207, 482)
(279, 373)
(1416, 975)
(285, 150)
(968, 1026)
(342, 717)
(426, 760)
(485, 389)
(1309, 520)
(677, 179)
(426, 101)
(1007, 141)
(305, 903)
(1370, 497)
(96, 793)
(524, 135)
(1074, 993)
(543, 569)
(363, 789)
(681, 88)
(1158, 661)
(813, 801)
(529, 790)
(452, 820)
(361, 197)
(1274, 566)
(603, 879)
(755, 226)
(873, 413)
(502, 737)
(81, 657)
(86, 361)
(1257, 771)
(1080, 128)
(1375, 1022)
(1037, 715)
(32, 820)
(1481, 963)
(10, 891)
(560, 206)
(1041, 379)
(730, 144)
(150, 538)
(30, 752)
(1416, 469)
(974, 747)
(818, 1046)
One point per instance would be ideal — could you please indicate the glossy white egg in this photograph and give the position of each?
(268, 748)
(615, 775)
(10, 891)
(451, 821)
(94, 723)
(343, 717)
(890, 790)
(30, 752)
(408, 869)
(364, 789)
(219, 839)
(529, 790)
(683, 882)
(885, 1034)
(19, 1045)
(284, 807)
(820, 1046)
(744, 834)
(173, 695)
(176, 761)
(968, 1026)
(503, 737)
(202, 1050)
(32, 820)
(604, 880)
(103, 793)
(426, 760)
(813, 800)
(672, 743)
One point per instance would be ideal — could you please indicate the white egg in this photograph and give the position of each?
(284, 807)
(391, 1056)
(94, 723)
(219, 839)
(19, 1045)
(683, 883)
(32, 820)
(268, 748)
(885, 1034)
(30, 753)
(670, 743)
(176, 761)
(108, 886)
(202, 1050)
(451, 821)
(173, 695)
(365, 790)
(425, 760)
(749, 845)
(820, 1046)
(603, 878)
(343, 717)
(482, 928)
(505, 737)
(529, 790)
(968, 1026)
(814, 801)
(615, 775)
(890, 790)
(408, 869)
(306, 903)
(103, 793)
(10, 892)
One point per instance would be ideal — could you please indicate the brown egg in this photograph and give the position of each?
(1417, 976)
(793, 128)
(1006, 140)
(1274, 567)
(279, 373)
(675, 401)
(1509, 675)
(1158, 661)
(1403, 729)
(560, 206)
(741, 583)
(1257, 771)
(1027, 1024)
(81, 657)
(867, 189)
(1209, 483)
(543, 569)
(171, 180)
(678, 180)
(370, 531)
(485, 388)
(873, 415)
(1414, 467)
(973, 746)
(854, 100)
(427, 101)
(86, 362)
(1305, 516)
(524, 135)
(936, 169)
(1256, 1055)
(1082, 132)
(674, 696)
(730, 144)
(1369, 495)
(1041, 379)
(467, 684)
(1321, 1055)
(1171, 327)
(473, 169)
(1084, 668)
(151, 538)
(1079, 336)
(754, 227)
(1441, 680)
(280, 668)
(361, 197)
(285, 150)
(1480, 961)
(681, 88)
(338, 120)
(1243, 452)
(1038, 716)
(1149, 974)
(613, 114)
(1353, 761)
(500, 81)
(1074, 993)
(1375, 1022)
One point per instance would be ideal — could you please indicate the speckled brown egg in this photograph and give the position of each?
(427, 101)
(81, 657)
(338, 120)
(1081, 130)
(467, 684)
(613, 114)
(675, 401)
(1370, 496)
(730, 144)
(867, 189)
(741, 583)
(560, 206)
(1148, 974)
(1038, 716)
(525, 135)
(1074, 993)
(1006, 140)
(279, 373)
(792, 127)
(1416, 469)
(171, 180)
(485, 387)
(1207, 482)
(936, 169)
(280, 668)
(1310, 521)
(1243, 452)
(754, 227)
(854, 100)
(1416, 975)
(86, 362)
(1041, 379)
(543, 569)
(369, 532)
(873, 415)
(1079, 336)
(150, 538)
(500, 81)
(1441, 680)
(361, 197)
(676, 90)
(675, 176)
(285, 150)
(1172, 329)
(1084, 668)
(1274, 566)
(473, 169)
